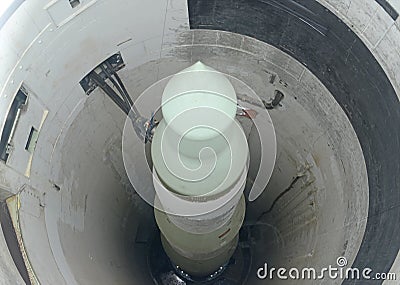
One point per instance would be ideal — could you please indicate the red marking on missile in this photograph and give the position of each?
(224, 233)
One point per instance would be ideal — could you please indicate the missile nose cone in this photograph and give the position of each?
(199, 102)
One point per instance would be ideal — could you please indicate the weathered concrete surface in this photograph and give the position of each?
(31, 54)
(9, 274)
(349, 70)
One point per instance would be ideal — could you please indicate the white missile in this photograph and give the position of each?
(200, 156)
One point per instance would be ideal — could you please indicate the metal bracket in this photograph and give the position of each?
(115, 61)
(107, 72)
(274, 102)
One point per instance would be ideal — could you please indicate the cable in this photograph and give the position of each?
(290, 187)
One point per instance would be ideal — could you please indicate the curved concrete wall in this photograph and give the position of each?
(381, 34)
(345, 66)
(51, 46)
